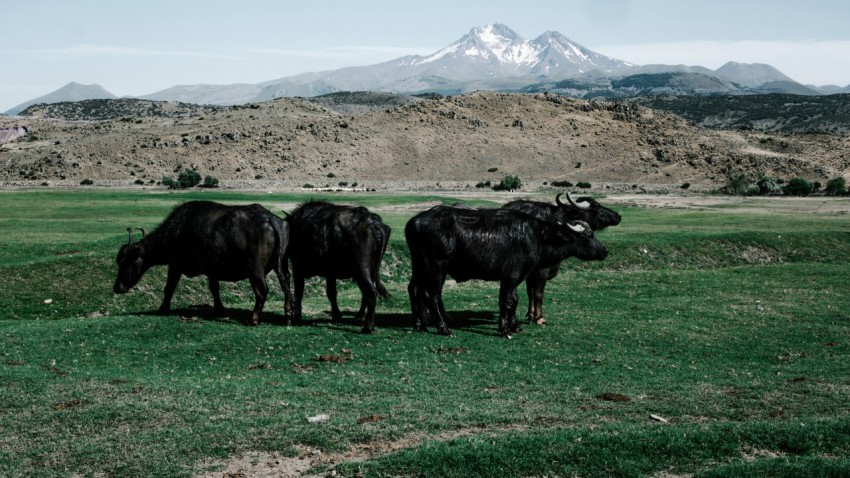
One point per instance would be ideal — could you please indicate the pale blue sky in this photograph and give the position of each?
(136, 48)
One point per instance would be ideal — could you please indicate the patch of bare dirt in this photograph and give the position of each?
(272, 464)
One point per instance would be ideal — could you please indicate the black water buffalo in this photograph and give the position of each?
(491, 244)
(338, 242)
(585, 209)
(224, 243)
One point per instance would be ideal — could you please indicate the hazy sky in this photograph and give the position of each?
(137, 48)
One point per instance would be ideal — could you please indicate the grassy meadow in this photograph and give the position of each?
(712, 342)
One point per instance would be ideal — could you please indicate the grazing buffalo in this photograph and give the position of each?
(339, 242)
(224, 243)
(585, 209)
(491, 244)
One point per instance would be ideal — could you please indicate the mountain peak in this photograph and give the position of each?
(508, 54)
(73, 91)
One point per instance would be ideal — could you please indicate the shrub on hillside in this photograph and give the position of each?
(583, 185)
(768, 185)
(508, 183)
(210, 182)
(737, 184)
(799, 187)
(186, 179)
(562, 184)
(836, 187)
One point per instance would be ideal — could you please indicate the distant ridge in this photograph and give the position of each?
(71, 92)
(489, 57)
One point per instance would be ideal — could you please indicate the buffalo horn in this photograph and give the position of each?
(578, 226)
(581, 205)
(144, 232)
(130, 235)
(558, 200)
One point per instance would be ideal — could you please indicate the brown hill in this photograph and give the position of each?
(451, 142)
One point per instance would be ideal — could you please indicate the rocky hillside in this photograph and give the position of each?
(414, 143)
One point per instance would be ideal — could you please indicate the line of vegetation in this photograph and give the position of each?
(739, 184)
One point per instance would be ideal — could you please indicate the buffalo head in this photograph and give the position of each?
(131, 263)
(587, 247)
(596, 215)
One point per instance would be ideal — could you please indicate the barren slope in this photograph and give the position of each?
(454, 141)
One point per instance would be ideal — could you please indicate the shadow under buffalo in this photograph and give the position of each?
(458, 319)
(229, 316)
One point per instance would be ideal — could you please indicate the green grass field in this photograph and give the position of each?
(711, 342)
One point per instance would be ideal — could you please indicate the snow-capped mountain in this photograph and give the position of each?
(487, 54)
(489, 57)
(503, 52)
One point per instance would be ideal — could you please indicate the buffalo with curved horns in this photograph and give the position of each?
(224, 243)
(502, 245)
(584, 209)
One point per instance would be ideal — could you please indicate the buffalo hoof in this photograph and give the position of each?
(446, 332)
(540, 321)
(367, 330)
(516, 329)
(163, 311)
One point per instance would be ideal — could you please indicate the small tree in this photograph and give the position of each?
(799, 187)
(210, 182)
(737, 183)
(768, 185)
(836, 187)
(583, 185)
(188, 179)
(509, 183)
(169, 182)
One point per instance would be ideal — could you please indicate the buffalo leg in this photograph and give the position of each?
(215, 290)
(170, 287)
(433, 297)
(416, 305)
(330, 289)
(298, 292)
(507, 308)
(512, 305)
(282, 272)
(535, 284)
(261, 291)
(369, 297)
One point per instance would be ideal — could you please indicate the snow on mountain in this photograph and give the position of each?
(509, 54)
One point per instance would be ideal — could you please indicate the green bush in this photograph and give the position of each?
(737, 184)
(583, 185)
(768, 185)
(508, 183)
(483, 184)
(685, 185)
(89, 182)
(836, 187)
(186, 179)
(210, 182)
(799, 187)
(308, 186)
(562, 184)
(169, 182)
